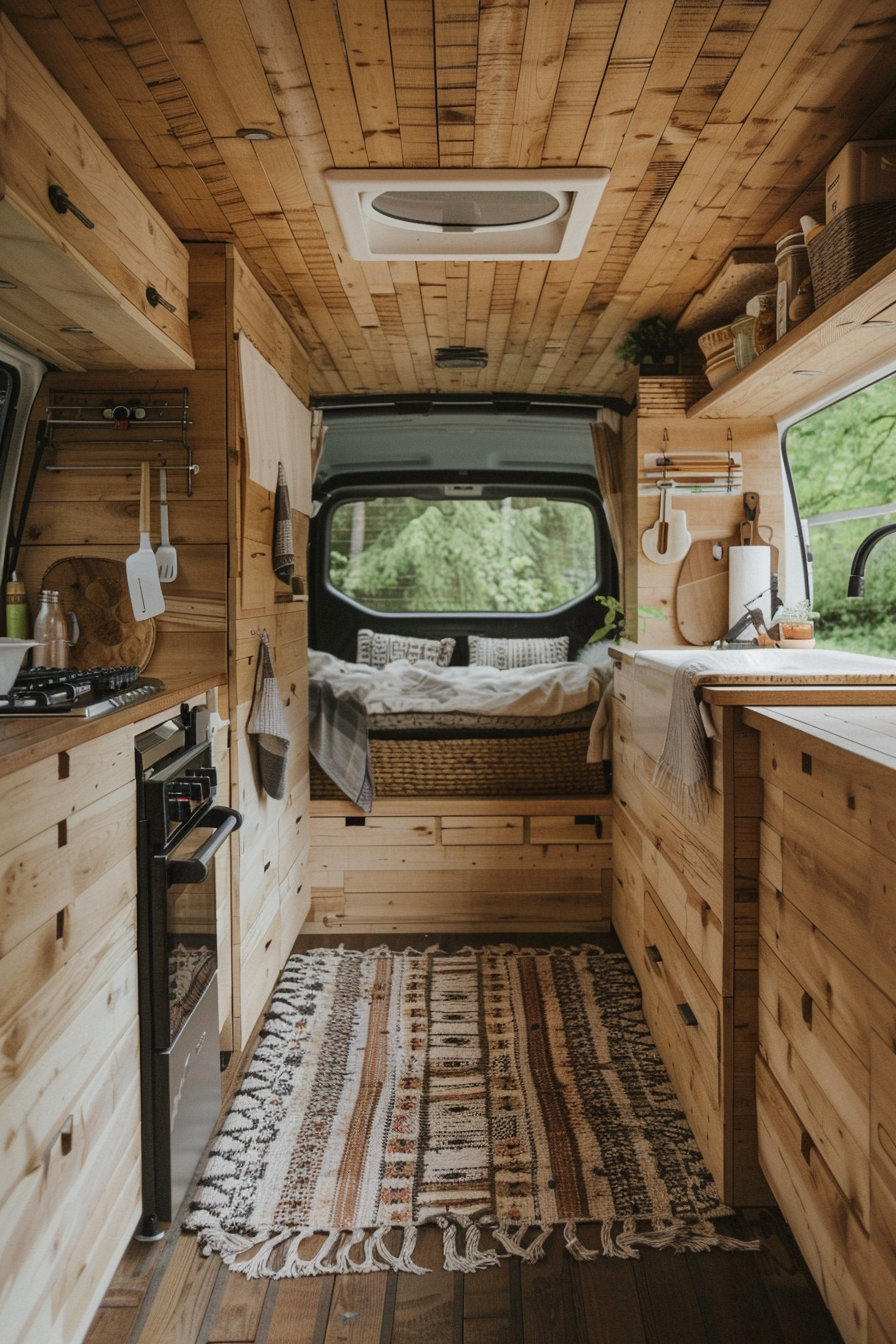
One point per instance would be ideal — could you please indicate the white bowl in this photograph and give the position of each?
(712, 342)
(12, 655)
(720, 369)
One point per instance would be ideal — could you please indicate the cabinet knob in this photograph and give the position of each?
(687, 1014)
(654, 953)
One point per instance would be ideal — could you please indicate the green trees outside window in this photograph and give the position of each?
(518, 554)
(844, 458)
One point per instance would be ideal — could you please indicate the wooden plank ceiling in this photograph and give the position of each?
(716, 119)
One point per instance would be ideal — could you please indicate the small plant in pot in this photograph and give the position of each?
(653, 345)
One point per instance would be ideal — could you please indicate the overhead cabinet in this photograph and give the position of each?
(100, 280)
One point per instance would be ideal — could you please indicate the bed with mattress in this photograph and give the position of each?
(414, 726)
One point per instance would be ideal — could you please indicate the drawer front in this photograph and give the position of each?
(828, 1233)
(628, 903)
(823, 1079)
(584, 828)
(882, 1285)
(684, 1001)
(845, 888)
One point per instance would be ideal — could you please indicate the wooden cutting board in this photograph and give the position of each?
(96, 590)
(701, 598)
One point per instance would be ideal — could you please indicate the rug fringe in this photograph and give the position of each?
(671, 1233)
(364, 1251)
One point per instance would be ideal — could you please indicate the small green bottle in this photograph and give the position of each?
(16, 608)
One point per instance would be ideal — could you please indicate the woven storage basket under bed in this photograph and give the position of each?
(486, 767)
(850, 244)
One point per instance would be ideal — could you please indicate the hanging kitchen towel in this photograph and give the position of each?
(284, 556)
(267, 723)
(683, 769)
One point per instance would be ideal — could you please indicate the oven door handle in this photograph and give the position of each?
(195, 868)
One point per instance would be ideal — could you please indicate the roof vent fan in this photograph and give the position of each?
(473, 214)
(461, 357)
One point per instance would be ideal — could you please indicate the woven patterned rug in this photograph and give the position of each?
(499, 1093)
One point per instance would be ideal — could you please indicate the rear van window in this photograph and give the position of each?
(524, 554)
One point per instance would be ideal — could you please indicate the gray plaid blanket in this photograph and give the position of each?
(338, 741)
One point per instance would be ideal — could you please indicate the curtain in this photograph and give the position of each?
(606, 437)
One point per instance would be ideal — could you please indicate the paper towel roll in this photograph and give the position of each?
(749, 580)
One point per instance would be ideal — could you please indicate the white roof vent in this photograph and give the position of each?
(459, 214)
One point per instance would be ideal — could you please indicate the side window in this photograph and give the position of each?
(523, 554)
(842, 462)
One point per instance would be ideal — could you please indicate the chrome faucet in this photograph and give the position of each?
(856, 586)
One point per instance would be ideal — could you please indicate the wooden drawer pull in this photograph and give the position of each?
(591, 820)
(63, 1137)
(355, 821)
(654, 953)
(806, 1146)
(807, 1010)
(887, 1146)
(687, 1014)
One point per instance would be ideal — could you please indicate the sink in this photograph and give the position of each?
(654, 673)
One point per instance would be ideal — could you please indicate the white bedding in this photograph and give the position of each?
(402, 687)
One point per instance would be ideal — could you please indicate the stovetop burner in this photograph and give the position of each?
(83, 692)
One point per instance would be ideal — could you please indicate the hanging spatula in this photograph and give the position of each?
(166, 555)
(143, 577)
(668, 540)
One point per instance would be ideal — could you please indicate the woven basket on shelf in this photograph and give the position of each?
(849, 245)
(489, 767)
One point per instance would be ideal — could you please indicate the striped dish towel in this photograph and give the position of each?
(284, 554)
(267, 724)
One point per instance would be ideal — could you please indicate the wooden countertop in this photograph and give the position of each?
(801, 694)
(864, 730)
(26, 740)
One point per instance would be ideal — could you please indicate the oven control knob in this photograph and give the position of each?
(178, 809)
(208, 778)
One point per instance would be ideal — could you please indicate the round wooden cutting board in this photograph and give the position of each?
(96, 590)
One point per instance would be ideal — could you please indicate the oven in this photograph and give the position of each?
(180, 827)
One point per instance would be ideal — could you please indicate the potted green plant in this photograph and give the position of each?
(653, 345)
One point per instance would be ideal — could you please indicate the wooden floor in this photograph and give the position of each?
(166, 1293)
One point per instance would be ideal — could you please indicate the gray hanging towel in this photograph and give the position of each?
(267, 723)
(284, 555)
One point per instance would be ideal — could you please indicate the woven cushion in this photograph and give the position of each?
(507, 653)
(378, 649)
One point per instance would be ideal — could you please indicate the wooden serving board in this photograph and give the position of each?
(701, 598)
(96, 590)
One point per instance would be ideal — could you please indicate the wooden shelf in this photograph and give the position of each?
(854, 331)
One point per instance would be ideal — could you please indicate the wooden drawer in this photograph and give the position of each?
(582, 828)
(882, 1275)
(628, 902)
(624, 681)
(823, 1079)
(829, 1235)
(687, 1007)
(362, 832)
(846, 790)
(49, 791)
(844, 887)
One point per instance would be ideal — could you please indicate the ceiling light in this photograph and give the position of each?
(461, 357)
(454, 214)
(80, 331)
(8, 284)
(254, 133)
(807, 373)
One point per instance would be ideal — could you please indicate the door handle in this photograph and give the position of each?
(195, 869)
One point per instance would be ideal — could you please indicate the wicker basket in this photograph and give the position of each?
(849, 245)
(484, 767)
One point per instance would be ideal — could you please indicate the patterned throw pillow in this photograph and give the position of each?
(508, 653)
(377, 649)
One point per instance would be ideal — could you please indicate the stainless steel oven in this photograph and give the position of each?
(180, 828)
